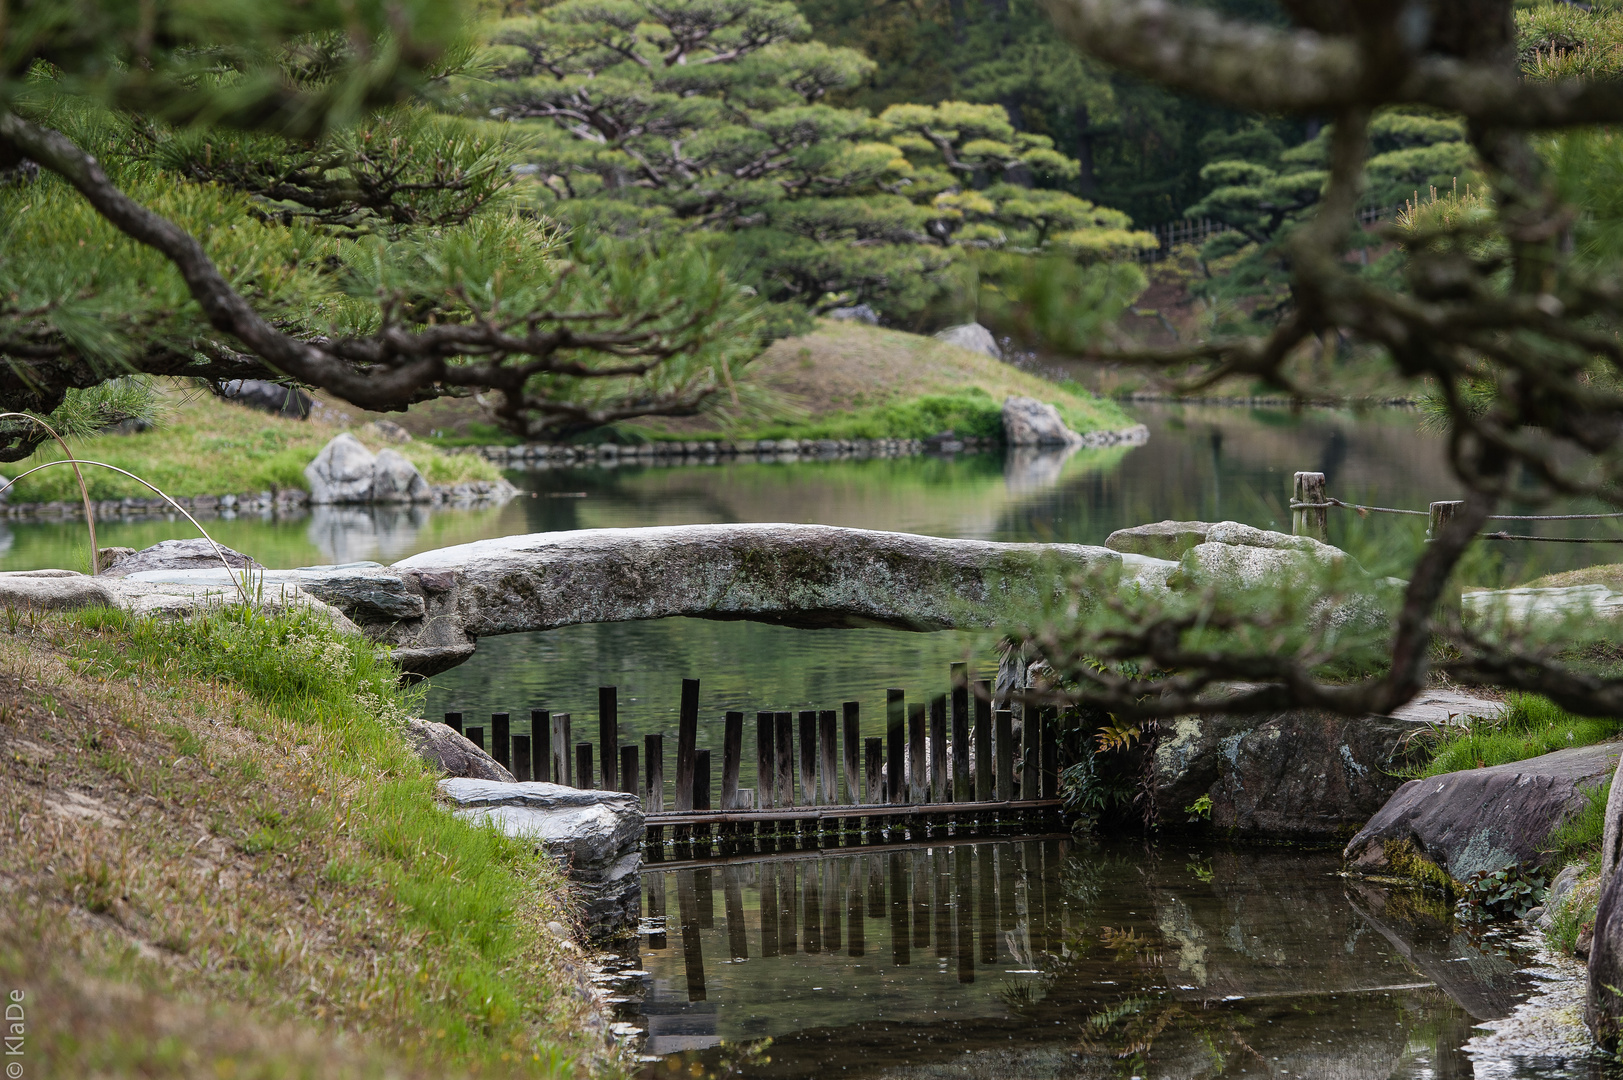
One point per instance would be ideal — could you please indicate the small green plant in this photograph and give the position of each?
(1200, 809)
(1509, 892)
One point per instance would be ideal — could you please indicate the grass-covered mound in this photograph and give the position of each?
(1530, 726)
(204, 446)
(223, 861)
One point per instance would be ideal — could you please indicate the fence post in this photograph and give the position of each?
(895, 723)
(984, 787)
(732, 749)
(1049, 719)
(1441, 514)
(939, 792)
(873, 750)
(808, 757)
(521, 758)
(608, 735)
(1005, 755)
(1315, 521)
(766, 781)
(699, 793)
(654, 797)
(500, 747)
(583, 764)
(917, 782)
(784, 744)
(687, 737)
(453, 720)
(828, 764)
(628, 768)
(960, 734)
(541, 747)
(853, 752)
(562, 767)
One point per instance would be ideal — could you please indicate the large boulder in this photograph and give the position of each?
(342, 472)
(52, 590)
(1481, 819)
(194, 554)
(972, 336)
(1603, 1010)
(347, 472)
(268, 397)
(1029, 422)
(596, 835)
(1161, 540)
(451, 753)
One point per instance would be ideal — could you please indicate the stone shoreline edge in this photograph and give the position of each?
(711, 451)
(286, 502)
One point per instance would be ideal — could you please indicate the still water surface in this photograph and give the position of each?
(1062, 958)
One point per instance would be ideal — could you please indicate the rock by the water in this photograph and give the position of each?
(448, 751)
(1603, 1010)
(1162, 540)
(342, 472)
(268, 397)
(347, 472)
(396, 480)
(193, 554)
(972, 336)
(597, 835)
(1295, 775)
(1482, 819)
(52, 590)
(1029, 422)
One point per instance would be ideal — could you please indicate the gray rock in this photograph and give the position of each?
(451, 753)
(1029, 422)
(52, 590)
(1483, 819)
(1603, 1007)
(1295, 775)
(1162, 540)
(396, 480)
(365, 596)
(1612, 839)
(971, 336)
(389, 431)
(268, 397)
(342, 472)
(596, 835)
(860, 313)
(1562, 887)
(193, 554)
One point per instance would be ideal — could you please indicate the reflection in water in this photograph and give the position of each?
(1054, 958)
(346, 534)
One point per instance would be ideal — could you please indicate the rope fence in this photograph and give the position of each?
(1309, 507)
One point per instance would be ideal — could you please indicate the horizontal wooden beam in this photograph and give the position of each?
(823, 813)
(651, 865)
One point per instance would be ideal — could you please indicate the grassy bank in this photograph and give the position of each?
(223, 862)
(842, 381)
(1530, 726)
(205, 446)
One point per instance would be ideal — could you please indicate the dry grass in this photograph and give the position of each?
(1609, 575)
(204, 878)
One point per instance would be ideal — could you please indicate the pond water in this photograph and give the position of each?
(1060, 958)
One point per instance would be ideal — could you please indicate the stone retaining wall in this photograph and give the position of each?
(287, 502)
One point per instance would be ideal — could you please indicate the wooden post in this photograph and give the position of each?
(699, 793)
(1441, 514)
(960, 734)
(475, 735)
(583, 764)
(853, 752)
(628, 768)
(808, 757)
(1030, 767)
(541, 747)
(608, 735)
(732, 750)
(916, 780)
(562, 766)
(521, 758)
(784, 747)
(1314, 521)
(939, 792)
(895, 724)
(453, 720)
(873, 750)
(766, 783)
(1005, 756)
(985, 788)
(829, 762)
(501, 748)
(654, 796)
(1049, 720)
(687, 738)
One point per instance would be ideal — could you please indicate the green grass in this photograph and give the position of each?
(1531, 725)
(204, 446)
(1578, 839)
(473, 991)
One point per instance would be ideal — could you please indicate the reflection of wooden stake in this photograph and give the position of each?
(692, 944)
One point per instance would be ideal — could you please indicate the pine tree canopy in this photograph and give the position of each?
(266, 189)
(662, 117)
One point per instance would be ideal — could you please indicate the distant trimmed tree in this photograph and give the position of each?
(710, 116)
